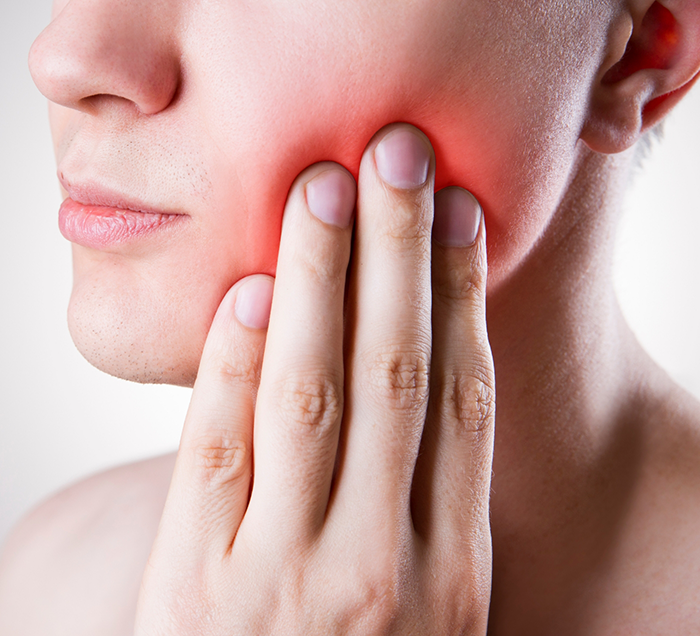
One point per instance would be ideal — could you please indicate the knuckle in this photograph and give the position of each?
(245, 371)
(468, 609)
(408, 224)
(399, 377)
(323, 263)
(310, 404)
(381, 605)
(461, 285)
(461, 276)
(467, 401)
(222, 458)
(377, 598)
(463, 585)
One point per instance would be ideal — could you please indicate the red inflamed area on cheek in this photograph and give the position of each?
(459, 153)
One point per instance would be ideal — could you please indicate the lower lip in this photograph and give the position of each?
(101, 227)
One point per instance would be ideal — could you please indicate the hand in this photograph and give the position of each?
(345, 528)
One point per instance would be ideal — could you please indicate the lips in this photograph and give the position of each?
(101, 219)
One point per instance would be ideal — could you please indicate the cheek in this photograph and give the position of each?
(505, 132)
(256, 113)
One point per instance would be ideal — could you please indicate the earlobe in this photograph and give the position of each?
(642, 81)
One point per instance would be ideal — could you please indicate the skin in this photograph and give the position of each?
(239, 155)
(593, 496)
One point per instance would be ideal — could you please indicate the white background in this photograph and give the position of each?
(60, 419)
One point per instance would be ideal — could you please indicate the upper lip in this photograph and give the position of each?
(90, 193)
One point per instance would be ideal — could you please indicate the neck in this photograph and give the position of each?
(567, 384)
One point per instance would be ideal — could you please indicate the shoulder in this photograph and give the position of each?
(654, 580)
(77, 559)
(672, 442)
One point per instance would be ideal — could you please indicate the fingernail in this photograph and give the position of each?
(331, 197)
(457, 217)
(254, 301)
(402, 159)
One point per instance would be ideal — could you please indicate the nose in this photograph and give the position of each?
(118, 48)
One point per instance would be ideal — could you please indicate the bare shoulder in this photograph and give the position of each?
(654, 581)
(669, 466)
(676, 429)
(74, 564)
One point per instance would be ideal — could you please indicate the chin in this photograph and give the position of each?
(135, 336)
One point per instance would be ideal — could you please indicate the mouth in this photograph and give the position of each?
(101, 219)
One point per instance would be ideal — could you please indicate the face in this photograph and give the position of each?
(206, 111)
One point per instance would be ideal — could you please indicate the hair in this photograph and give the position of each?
(645, 146)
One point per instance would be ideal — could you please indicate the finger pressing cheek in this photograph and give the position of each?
(455, 462)
(300, 402)
(389, 323)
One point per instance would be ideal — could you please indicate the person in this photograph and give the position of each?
(286, 205)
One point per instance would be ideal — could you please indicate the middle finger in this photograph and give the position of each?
(389, 329)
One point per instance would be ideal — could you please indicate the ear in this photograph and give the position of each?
(653, 60)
